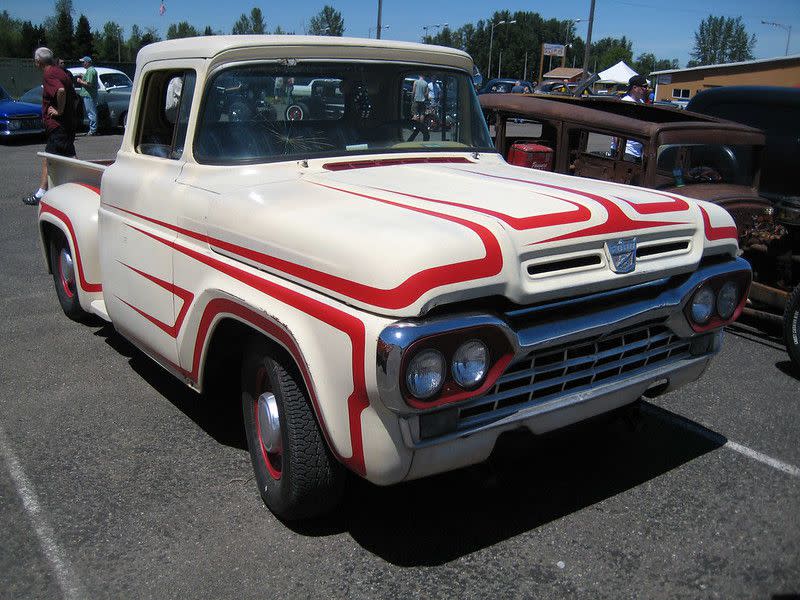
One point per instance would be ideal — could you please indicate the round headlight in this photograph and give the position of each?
(425, 374)
(727, 300)
(703, 305)
(470, 363)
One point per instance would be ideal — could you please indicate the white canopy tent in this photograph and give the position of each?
(619, 73)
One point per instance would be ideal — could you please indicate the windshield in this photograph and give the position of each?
(111, 80)
(683, 164)
(267, 112)
(3, 94)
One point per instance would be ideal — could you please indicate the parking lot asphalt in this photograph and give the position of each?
(117, 482)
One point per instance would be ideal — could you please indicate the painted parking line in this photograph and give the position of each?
(65, 575)
(688, 425)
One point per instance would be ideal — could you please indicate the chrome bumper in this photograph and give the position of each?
(609, 349)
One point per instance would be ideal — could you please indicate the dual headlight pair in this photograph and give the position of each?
(427, 370)
(707, 301)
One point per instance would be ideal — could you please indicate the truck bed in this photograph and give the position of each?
(61, 169)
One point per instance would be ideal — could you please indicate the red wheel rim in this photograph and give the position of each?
(272, 460)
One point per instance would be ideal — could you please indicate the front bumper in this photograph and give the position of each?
(21, 127)
(572, 360)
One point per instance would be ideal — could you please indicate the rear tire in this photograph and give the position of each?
(65, 276)
(297, 476)
(791, 326)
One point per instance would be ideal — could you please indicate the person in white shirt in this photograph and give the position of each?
(637, 92)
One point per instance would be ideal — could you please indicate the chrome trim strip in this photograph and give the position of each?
(512, 420)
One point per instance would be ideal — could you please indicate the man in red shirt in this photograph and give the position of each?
(58, 114)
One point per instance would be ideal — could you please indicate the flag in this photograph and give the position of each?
(162, 9)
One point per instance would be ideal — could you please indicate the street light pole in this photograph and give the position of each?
(491, 39)
(437, 26)
(788, 29)
(378, 29)
(572, 23)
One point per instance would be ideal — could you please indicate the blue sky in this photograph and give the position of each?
(664, 27)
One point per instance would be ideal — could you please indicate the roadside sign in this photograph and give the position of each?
(553, 49)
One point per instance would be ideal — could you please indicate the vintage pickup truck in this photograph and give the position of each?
(379, 298)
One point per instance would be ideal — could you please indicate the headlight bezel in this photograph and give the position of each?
(499, 352)
(742, 282)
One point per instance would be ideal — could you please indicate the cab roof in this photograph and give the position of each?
(222, 48)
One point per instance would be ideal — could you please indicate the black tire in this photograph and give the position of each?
(791, 326)
(302, 480)
(65, 276)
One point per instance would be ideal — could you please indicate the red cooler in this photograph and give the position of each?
(533, 156)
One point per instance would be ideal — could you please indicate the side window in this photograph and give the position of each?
(164, 113)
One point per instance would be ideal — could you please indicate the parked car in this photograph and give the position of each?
(503, 86)
(19, 118)
(113, 96)
(774, 251)
(375, 301)
(682, 153)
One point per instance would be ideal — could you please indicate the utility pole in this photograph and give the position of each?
(380, 10)
(588, 43)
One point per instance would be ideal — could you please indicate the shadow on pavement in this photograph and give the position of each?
(528, 481)
(221, 419)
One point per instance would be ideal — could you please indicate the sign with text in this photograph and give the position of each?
(553, 49)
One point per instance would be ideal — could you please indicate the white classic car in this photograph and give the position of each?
(380, 297)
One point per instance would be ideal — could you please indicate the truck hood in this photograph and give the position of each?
(399, 236)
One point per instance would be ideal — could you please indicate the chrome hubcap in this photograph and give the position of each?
(269, 423)
(67, 268)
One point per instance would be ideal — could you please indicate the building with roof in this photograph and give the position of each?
(565, 74)
(678, 85)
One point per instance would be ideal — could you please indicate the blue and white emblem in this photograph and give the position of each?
(622, 255)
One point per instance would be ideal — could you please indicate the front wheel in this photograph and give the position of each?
(64, 271)
(297, 476)
(791, 326)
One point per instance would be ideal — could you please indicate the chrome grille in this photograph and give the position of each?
(545, 374)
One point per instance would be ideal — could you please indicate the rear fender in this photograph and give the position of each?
(72, 208)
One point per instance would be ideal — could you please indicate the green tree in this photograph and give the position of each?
(108, 43)
(257, 25)
(208, 30)
(150, 36)
(181, 30)
(327, 22)
(10, 35)
(647, 63)
(62, 41)
(721, 40)
(242, 26)
(84, 40)
(609, 51)
(31, 37)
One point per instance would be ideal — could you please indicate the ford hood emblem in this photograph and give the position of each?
(622, 255)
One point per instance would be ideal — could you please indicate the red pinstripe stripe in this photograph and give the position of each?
(404, 294)
(717, 233)
(85, 285)
(185, 295)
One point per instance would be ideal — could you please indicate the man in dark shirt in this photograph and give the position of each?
(58, 114)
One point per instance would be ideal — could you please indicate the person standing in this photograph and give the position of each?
(88, 93)
(637, 91)
(58, 113)
(419, 94)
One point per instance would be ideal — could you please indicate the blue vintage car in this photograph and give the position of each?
(19, 118)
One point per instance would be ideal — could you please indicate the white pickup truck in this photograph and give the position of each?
(382, 297)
